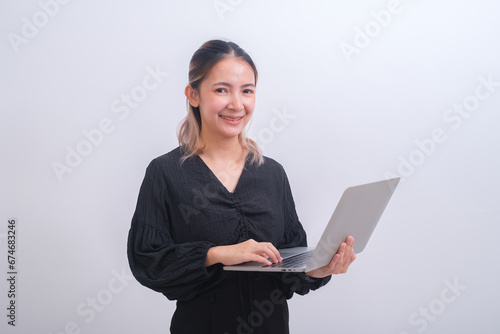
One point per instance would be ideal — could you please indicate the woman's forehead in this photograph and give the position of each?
(231, 69)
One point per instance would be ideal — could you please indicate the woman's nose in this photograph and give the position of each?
(236, 102)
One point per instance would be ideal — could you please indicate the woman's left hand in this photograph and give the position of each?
(340, 262)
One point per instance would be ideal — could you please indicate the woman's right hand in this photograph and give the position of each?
(250, 250)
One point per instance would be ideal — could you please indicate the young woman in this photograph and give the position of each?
(214, 201)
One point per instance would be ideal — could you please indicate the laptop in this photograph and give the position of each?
(356, 214)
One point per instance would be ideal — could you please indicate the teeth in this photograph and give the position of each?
(231, 119)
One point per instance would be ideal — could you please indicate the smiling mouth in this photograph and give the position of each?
(230, 118)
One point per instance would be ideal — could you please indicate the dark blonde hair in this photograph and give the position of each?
(202, 62)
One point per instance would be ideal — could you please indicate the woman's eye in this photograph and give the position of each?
(248, 91)
(221, 90)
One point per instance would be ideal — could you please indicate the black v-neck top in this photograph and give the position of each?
(183, 210)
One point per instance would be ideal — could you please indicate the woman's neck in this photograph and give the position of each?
(229, 150)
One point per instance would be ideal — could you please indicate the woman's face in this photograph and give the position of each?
(226, 99)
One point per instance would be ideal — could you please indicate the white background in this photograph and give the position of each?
(353, 117)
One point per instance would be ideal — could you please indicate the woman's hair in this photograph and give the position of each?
(202, 62)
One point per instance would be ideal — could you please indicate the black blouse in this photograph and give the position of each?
(183, 210)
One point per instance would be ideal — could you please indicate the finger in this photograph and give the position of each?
(340, 263)
(333, 262)
(350, 250)
(337, 258)
(272, 253)
(266, 253)
(350, 240)
(349, 254)
(255, 251)
(260, 258)
(341, 252)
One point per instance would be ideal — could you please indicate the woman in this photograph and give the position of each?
(214, 201)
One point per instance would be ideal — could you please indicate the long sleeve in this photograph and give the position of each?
(175, 269)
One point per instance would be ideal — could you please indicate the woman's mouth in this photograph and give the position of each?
(232, 119)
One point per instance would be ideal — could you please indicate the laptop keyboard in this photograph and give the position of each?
(296, 261)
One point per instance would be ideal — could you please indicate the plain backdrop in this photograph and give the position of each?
(348, 93)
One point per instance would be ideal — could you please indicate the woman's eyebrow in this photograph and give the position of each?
(227, 84)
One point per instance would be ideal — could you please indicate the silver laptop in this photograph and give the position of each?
(356, 214)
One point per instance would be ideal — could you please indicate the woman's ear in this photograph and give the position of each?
(192, 96)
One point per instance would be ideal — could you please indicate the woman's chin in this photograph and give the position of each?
(231, 133)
